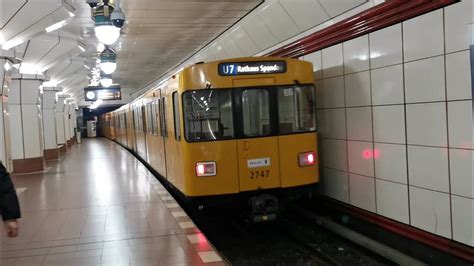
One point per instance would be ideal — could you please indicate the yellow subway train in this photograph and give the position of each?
(244, 126)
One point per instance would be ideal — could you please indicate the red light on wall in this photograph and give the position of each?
(367, 154)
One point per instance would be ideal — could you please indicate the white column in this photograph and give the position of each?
(60, 127)
(51, 149)
(26, 123)
(5, 80)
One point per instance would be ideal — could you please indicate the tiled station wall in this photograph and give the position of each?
(395, 117)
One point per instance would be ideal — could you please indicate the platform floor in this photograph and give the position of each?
(98, 205)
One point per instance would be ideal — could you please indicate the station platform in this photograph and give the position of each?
(100, 206)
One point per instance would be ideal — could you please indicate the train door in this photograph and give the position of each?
(164, 130)
(161, 133)
(258, 149)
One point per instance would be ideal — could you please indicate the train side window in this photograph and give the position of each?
(256, 112)
(160, 117)
(177, 125)
(165, 126)
(152, 118)
(144, 122)
(208, 115)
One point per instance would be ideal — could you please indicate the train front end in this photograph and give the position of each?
(250, 128)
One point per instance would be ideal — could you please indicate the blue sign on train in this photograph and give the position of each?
(251, 68)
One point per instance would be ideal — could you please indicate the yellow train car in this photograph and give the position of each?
(225, 128)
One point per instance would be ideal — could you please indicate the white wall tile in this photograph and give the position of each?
(391, 162)
(319, 94)
(359, 123)
(423, 36)
(362, 192)
(460, 124)
(428, 168)
(458, 76)
(333, 61)
(389, 124)
(321, 118)
(259, 33)
(305, 13)
(386, 46)
(333, 92)
(336, 184)
(426, 124)
(358, 89)
(461, 167)
(392, 200)
(356, 55)
(243, 40)
(424, 80)
(387, 85)
(335, 123)
(278, 21)
(361, 158)
(457, 18)
(430, 211)
(316, 60)
(335, 8)
(335, 154)
(463, 220)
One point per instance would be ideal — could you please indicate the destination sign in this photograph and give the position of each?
(99, 93)
(251, 68)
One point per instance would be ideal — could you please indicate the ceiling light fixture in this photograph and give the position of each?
(104, 29)
(100, 47)
(107, 33)
(108, 62)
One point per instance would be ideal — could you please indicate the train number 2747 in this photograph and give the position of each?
(259, 174)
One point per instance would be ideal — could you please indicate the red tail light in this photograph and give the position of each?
(206, 168)
(306, 159)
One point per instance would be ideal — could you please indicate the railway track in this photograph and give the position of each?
(293, 239)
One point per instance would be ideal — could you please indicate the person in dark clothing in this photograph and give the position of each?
(9, 205)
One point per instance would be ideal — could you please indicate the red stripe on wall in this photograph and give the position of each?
(446, 245)
(370, 20)
(389, 13)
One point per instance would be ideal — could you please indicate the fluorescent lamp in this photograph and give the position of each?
(82, 48)
(107, 34)
(108, 67)
(56, 26)
(12, 43)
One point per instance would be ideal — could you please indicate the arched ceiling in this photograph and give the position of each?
(158, 34)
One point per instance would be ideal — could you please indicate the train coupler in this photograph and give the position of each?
(264, 208)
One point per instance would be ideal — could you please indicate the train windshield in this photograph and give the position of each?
(208, 115)
(259, 112)
(296, 112)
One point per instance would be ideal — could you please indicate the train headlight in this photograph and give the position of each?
(206, 168)
(306, 159)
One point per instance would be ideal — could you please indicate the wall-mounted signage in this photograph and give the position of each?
(251, 68)
(99, 93)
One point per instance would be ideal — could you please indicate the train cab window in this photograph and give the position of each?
(296, 109)
(177, 125)
(256, 112)
(208, 115)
